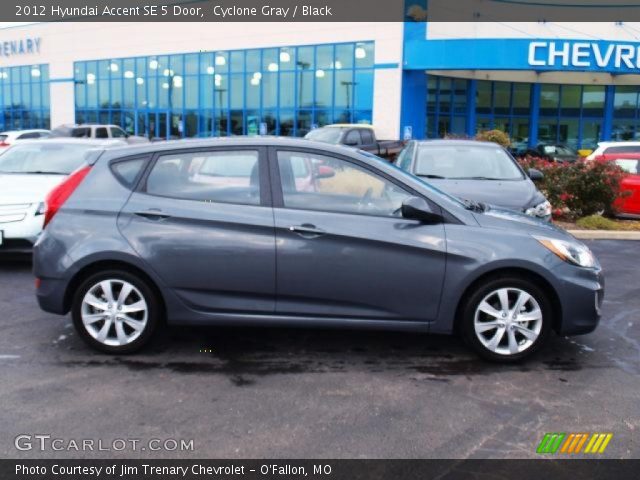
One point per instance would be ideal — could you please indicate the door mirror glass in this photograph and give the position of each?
(417, 208)
(535, 174)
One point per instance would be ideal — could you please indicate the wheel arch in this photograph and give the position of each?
(525, 273)
(100, 265)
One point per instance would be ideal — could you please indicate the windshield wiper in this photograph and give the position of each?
(473, 205)
(477, 178)
(42, 172)
(432, 176)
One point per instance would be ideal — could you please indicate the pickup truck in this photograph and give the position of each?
(90, 130)
(359, 136)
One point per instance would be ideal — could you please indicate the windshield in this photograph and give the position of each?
(466, 162)
(43, 157)
(325, 135)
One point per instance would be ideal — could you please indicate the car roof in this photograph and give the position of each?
(454, 142)
(27, 130)
(254, 141)
(349, 125)
(74, 141)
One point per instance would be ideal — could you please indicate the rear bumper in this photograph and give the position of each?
(51, 295)
(581, 294)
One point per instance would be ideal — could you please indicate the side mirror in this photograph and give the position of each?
(417, 208)
(535, 174)
(324, 171)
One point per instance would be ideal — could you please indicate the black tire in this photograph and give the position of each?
(153, 304)
(480, 292)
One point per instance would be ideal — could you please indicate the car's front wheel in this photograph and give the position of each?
(115, 311)
(507, 319)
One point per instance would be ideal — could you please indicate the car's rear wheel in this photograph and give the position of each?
(507, 319)
(115, 311)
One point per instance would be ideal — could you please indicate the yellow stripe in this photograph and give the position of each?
(596, 445)
(582, 440)
(591, 442)
(605, 443)
(565, 446)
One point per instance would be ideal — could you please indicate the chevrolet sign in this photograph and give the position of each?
(587, 55)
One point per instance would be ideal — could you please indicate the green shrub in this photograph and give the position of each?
(495, 136)
(578, 189)
(596, 222)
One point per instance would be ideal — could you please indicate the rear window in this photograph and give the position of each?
(43, 158)
(629, 165)
(623, 149)
(3, 137)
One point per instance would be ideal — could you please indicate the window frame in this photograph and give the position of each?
(263, 171)
(278, 193)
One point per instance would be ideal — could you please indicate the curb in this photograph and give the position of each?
(605, 234)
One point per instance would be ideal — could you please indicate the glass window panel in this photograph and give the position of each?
(191, 92)
(207, 86)
(344, 56)
(286, 123)
(287, 90)
(237, 122)
(625, 102)
(593, 100)
(363, 90)
(116, 92)
(269, 118)
(363, 54)
(305, 58)
(460, 96)
(624, 130)
(324, 89)
(591, 134)
(344, 88)
(501, 98)
(324, 57)
(305, 89)
(104, 97)
(521, 98)
(445, 95)
(549, 99)
(221, 90)
(207, 63)
(269, 90)
(287, 58)
(253, 91)
(270, 60)
(237, 61)
(237, 91)
(303, 122)
(191, 64)
(221, 62)
(432, 93)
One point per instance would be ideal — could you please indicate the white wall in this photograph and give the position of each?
(64, 43)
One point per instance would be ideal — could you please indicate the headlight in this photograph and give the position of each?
(541, 210)
(571, 252)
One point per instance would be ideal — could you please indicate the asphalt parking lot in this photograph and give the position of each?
(259, 393)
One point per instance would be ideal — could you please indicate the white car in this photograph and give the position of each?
(10, 137)
(28, 171)
(614, 147)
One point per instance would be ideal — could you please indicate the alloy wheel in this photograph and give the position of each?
(508, 321)
(114, 312)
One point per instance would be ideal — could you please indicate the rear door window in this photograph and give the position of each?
(101, 132)
(81, 132)
(215, 176)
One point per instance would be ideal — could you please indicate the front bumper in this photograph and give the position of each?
(581, 293)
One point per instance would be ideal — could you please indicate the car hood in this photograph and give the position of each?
(28, 188)
(512, 194)
(495, 217)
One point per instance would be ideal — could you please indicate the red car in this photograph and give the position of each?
(630, 163)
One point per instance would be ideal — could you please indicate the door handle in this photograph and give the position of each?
(307, 230)
(153, 214)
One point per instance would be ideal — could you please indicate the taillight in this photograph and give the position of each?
(60, 194)
(4, 144)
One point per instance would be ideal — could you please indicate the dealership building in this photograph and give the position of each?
(567, 83)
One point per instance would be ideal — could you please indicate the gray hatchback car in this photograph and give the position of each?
(268, 231)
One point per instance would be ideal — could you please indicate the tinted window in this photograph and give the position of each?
(367, 136)
(82, 132)
(463, 161)
(335, 185)
(352, 138)
(117, 132)
(623, 149)
(128, 170)
(101, 133)
(43, 157)
(27, 136)
(3, 138)
(225, 177)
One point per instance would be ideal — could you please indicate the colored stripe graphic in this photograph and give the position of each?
(572, 443)
(550, 442)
